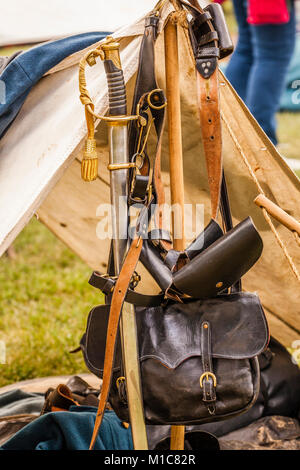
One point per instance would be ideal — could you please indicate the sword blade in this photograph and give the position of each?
(118, 151)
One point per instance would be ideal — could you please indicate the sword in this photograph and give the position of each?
(119, 166)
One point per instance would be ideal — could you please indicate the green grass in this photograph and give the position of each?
(9, 50)
(230, 18)
(288, 134)
(44, 302)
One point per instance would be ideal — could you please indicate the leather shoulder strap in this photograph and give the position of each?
(204, 40)
(209, 115)
(147, 86)
(117, 301)
(146, 79)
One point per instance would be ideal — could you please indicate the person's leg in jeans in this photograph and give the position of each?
(238, 69)
(273, 46)
(258, 67)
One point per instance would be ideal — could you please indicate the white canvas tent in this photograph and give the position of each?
(32, 21)
(40, 171)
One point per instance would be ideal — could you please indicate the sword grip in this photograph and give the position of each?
(115, 80)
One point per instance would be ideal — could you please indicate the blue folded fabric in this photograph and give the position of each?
(27, 68)
(71, 430)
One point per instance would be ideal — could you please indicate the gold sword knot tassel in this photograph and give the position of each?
(89, 163)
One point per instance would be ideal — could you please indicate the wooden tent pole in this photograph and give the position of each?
(174, 124)
(279, 214)
(175, 162)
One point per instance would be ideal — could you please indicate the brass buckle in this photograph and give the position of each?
(206, 375)
(136, 278)
(119, 381)
(150, 103)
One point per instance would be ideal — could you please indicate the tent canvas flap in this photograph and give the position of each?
(48, 129)
(35, 21)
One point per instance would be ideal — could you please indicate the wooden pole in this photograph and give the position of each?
(176, 163)
(279, 214)
(174, 123)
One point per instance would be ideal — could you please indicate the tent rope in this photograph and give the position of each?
(281, 243)
(261, 191)
(297, 238)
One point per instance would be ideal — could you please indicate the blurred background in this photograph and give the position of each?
(288, 117)
(44, 295)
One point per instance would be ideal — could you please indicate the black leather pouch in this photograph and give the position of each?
(161, 264)
(210, 234)
(218, 19)
(212, 263)
(205, 350)
(279, 395)
(222, 264)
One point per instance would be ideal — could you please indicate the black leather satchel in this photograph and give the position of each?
(279, 396)
(199, 355)
(198, 359)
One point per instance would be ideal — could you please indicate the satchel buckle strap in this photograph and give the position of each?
(208, 380)
(206, 376)
(119, 381)
(121, 386)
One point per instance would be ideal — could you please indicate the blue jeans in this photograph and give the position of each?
(258, 67)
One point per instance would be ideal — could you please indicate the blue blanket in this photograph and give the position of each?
(17, 402)
(71, 430)
(27, 68)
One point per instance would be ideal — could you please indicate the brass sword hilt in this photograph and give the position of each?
(109, 52)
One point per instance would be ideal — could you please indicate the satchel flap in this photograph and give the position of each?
(171, 334)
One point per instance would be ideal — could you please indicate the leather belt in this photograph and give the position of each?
(204, 40)
(118, 298)
(209, 113)
(146, 84)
